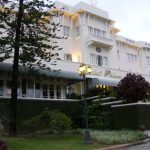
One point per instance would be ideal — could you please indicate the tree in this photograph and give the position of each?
(133, 88)
(29, 37)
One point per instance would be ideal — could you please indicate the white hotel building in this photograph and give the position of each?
(92, 40)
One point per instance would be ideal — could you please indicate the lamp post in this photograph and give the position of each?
(83, 71)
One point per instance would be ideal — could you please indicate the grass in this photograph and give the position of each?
(71, 141)
(51, 142)
(117, 137)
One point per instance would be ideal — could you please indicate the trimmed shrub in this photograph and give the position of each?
(59, 121)
(132, 88)
(31, 125)
(48, 120)
(27, 109)
(100, 117)
(44, 119)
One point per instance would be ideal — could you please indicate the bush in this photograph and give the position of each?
(44, 119)
(59, 121)
(117, 137)
(31, 125)
(132, 88)
(100, 117)
(47, 120)
(27, 109)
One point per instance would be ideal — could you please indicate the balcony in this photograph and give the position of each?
(105, 41)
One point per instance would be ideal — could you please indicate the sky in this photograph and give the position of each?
(132, 17)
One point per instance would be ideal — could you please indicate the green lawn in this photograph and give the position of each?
(53, 142)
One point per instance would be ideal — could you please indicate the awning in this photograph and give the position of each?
(50, 73)
(103, 81)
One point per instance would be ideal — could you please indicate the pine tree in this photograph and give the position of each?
(28, 36)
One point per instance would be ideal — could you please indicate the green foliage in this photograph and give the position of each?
(117, 137)
(59, 121)
(44, 119)
(37, 39)
(48, 120)
(112, 92)
(32, 125)
(4, 114)
(99, 116)
(50, 142)
(30, 108)
(27, 36)
(135, 116)
(133, 88)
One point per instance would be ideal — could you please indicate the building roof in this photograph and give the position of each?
(49, 73)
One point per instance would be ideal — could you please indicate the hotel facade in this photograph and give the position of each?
(91, 39)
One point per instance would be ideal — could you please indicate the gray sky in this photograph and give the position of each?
(132, 16)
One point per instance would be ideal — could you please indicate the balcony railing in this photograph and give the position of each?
(104, 40)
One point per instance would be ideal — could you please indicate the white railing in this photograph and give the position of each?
(43, 99)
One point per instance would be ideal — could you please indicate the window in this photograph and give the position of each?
(24, 87)
(77, 31)
(103, 33)
(66, 31)
(51, 91)
(132, 57)
(8, 89)
(90, 30)
(58, 91)
(96, 32)
(99, 60)
(30, 89)
(93, 59)
(1, 87)
(37, 90)
(45, 91)
(148, 60)
(68, 57)
(105, 61)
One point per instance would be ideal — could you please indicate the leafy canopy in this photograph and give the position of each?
(133, 88)
(39, 32)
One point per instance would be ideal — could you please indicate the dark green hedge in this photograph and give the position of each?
(132, 116)
(30, 108)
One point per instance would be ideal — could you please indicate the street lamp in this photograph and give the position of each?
(84, 70)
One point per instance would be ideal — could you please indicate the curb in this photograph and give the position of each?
(120, 146)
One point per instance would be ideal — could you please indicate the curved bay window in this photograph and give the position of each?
(30, 89)
(37, 90)
(58, 91)
(51, 91)
(45, 91)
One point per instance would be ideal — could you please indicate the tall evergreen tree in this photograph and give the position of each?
(28, 36)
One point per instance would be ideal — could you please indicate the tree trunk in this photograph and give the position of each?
(13, 101)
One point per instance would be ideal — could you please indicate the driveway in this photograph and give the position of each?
(139, 147)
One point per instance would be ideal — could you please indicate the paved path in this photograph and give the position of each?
(139, 147)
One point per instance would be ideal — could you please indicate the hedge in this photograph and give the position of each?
(134, 116)
(29, 108)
